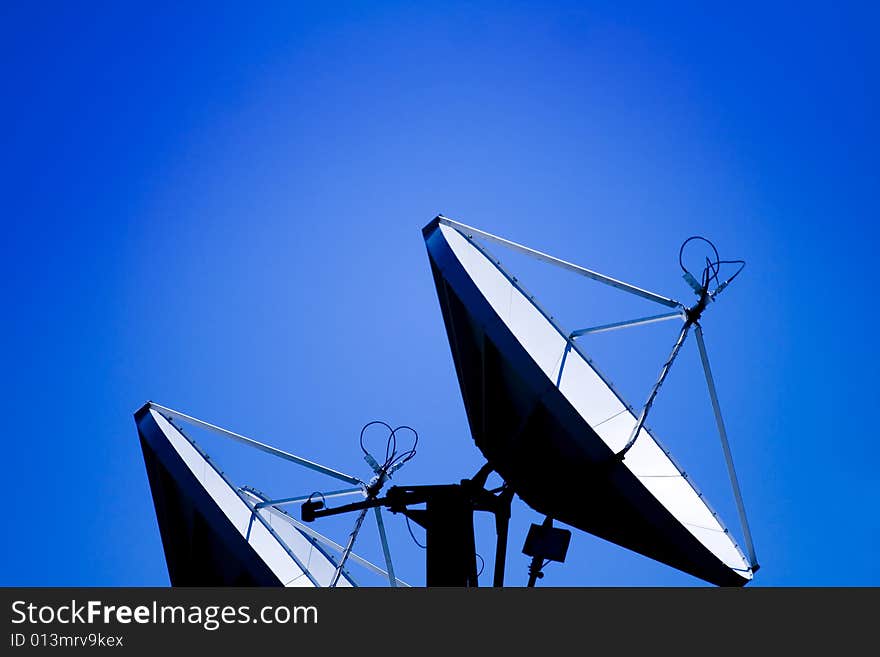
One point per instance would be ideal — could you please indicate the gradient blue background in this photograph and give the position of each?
(219, 209)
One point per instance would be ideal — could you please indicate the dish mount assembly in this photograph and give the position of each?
(448, 520)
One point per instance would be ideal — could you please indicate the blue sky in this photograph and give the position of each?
(219, 209)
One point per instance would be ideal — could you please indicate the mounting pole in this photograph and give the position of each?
(537, 563)
(502, 523)
(448, 519)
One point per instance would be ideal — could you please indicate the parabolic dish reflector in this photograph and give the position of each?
(550, 424)
(213, 533)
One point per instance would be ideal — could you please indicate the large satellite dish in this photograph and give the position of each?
(556, 431)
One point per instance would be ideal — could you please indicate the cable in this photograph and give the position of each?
(415, 540)
(424, 547)
(392, 460)
(688, 241)
(317, 492)
(398, 461)
(712, 269)
(367, 426)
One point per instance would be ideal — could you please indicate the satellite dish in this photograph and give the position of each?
(216, 533)
(556, 430)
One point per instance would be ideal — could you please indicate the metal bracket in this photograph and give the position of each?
(250, 442)
(470, 232)
(725, 446)
(626, 324)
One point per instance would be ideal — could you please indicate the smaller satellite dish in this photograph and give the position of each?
(217, 533)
